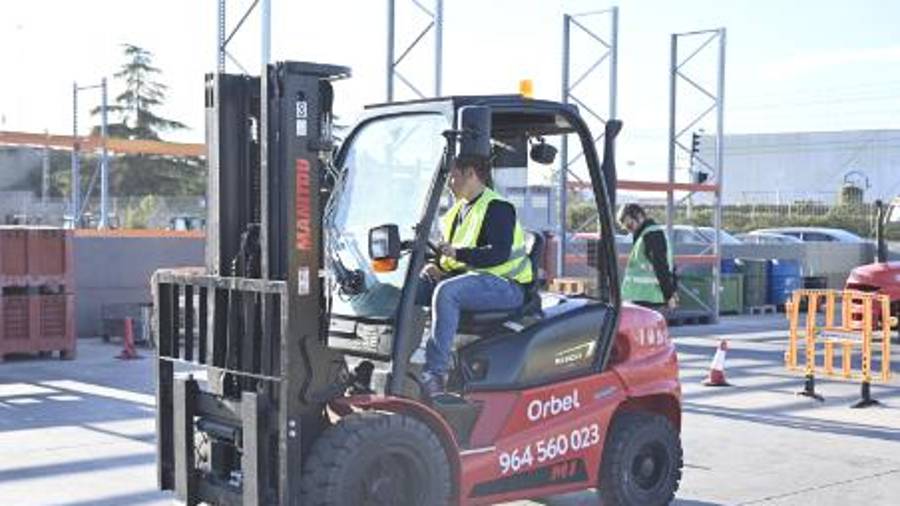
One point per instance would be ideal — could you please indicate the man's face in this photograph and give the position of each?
(459, 178)
(630, 223)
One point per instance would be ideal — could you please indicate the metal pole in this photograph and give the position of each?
(266, 18)
(670, 193)
(220, 39)
(76, 179)
(45, 172)
(438, 46)
(104, 161)
(564, 157)
(720, 154)
(266, 33)
(390, 52)
(614, 65)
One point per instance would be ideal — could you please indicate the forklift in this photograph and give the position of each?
(287, 371)
(882, 276)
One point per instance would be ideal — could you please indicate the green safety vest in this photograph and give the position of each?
(640, 283)
(517, 268)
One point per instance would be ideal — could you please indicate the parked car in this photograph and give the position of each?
(815, 234)
(768, 238)
(689, 234)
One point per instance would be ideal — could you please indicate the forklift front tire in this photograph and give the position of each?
(642, 462)
(377, 458)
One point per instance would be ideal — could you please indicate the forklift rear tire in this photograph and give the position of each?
(376, 458)
(642, 462)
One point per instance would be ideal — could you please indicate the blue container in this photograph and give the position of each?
(784, 278)
(729, 266)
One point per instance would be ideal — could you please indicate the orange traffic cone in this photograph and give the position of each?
(716, 376)
(128, 351)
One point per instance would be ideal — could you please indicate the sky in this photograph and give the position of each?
(799, 65)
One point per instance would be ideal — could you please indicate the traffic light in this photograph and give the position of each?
(695, 144)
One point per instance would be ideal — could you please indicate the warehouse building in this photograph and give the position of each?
(782, 168)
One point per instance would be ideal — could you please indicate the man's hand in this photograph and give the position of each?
(447, 250)
(433, 271)
(673, 301)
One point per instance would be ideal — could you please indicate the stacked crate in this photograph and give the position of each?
(37, 307)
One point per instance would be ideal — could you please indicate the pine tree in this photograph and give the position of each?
(132, 116)
(143, 93)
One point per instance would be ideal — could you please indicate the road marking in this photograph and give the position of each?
(821, 487)
(101, 391)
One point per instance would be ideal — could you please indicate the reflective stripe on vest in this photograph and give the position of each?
(640, 283)
(517, 268)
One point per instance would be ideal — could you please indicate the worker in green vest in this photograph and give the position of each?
(483, 264)
(649, 277)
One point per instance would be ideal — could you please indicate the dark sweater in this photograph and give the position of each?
(655, 249)
(495, 237)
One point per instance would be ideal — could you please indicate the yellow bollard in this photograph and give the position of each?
(793, 330)
(811, 311)
(866, 399)
(809, 385)
(846, 301)
(847, 356)
(829, 311)
(829, 357)
(867, 340)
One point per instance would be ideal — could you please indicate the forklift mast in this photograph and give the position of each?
(249, 324)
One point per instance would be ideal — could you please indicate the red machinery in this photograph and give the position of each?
(304, 386)
(882, 276)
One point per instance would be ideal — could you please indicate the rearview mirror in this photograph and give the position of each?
(384, 247)
(543, 153)
(475, 131)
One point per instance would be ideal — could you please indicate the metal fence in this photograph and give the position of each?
(857, 218)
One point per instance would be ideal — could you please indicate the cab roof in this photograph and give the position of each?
(511, 113)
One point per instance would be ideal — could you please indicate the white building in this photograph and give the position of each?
(813, 166)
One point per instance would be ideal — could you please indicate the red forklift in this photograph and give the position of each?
(883, 276)
(287, 370)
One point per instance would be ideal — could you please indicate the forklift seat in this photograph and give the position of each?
(471, 322)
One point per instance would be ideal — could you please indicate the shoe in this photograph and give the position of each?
(431, 384)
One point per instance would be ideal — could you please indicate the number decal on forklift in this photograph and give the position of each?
(515, 461)
(549, 449)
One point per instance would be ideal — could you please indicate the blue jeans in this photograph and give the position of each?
(471, 291)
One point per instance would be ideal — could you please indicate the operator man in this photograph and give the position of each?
(482, 266)
(649, 280)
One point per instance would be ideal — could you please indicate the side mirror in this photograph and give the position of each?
(475, 131)
(384, 247)
(543, 153)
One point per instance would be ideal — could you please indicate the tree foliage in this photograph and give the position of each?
(143, 92)
(134, 115)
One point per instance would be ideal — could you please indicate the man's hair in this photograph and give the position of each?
(633, 211)
(480, 165)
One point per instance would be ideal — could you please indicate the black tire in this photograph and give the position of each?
(376, 459)
(642, 462)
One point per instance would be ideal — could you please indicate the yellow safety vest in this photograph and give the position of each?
(640, 283)
(517, 268)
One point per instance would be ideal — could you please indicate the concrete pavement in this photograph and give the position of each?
(82, 433)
